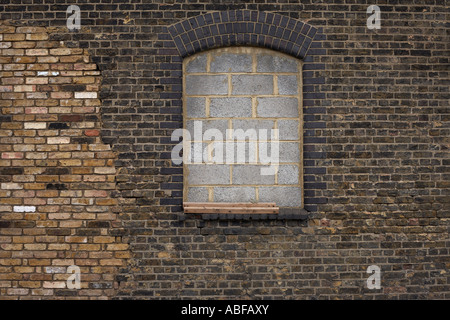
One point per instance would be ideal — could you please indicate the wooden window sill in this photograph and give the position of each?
(242, 211)
(230, 208)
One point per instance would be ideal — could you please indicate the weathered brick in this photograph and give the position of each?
(374, 160)
(36, 52)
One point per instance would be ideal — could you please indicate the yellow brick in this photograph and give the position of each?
(42, 292)
(13, 37)
(82, 170)
(31, 29)
(122, 255)
(70, 224)
(59, 155)
(46, 224)
(54, 284)
(47, 178)
(69, 147)
(104, 239)
(10, 262)
(24, 269)
(46, 239)
(59, 216)
(45, 254)
(70, 163)
(75, 239)
(30, 284)
(34, 186)
(58, 246)
(12, 247)
(111, 262)
(37, 36)
(47, 193)
(88, 247)
(39, 262)
(35, 246)
(23, 239)
(117, 247)
(70, 178)
(24, 44)
(84, 216)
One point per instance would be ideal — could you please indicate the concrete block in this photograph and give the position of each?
(253, 124)
(206, 84)
(282, 196)
(197, 194)
(198, 153)
(287, 85)
(275, 63)
(231, 62)
(277, 107)
(289, 152)
(195, 107)
(234, 194)
(252, 84)
(195, 127)
(288, 174)
(288, 129)
(198, 64)
(230, 107)
(251, 174)
(236, 152)
(207, 174)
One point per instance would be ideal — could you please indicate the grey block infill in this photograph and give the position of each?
(197, 194)
(231, 62)
(274, 63)
(288, 174)
(288, 129)
(206, 84)
(252, 84)
(253, 124)
(195, 127)
(230, 107)
(234, 194)
(289, 152)
(282, 196)
(277, 107)
(251, 175)
(198, 153)
(195, 107)
(236, 152)
(207, 174)
(287, 85)
(198, 64)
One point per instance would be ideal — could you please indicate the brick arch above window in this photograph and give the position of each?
(243, 27)
(248, 28)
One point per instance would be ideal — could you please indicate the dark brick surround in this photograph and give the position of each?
(272, 31)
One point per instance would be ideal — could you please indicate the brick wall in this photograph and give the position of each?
(375, 154)
(56, 176)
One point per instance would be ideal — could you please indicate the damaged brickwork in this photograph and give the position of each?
(56, 176)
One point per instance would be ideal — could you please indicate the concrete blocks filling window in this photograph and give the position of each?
(243, 110)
